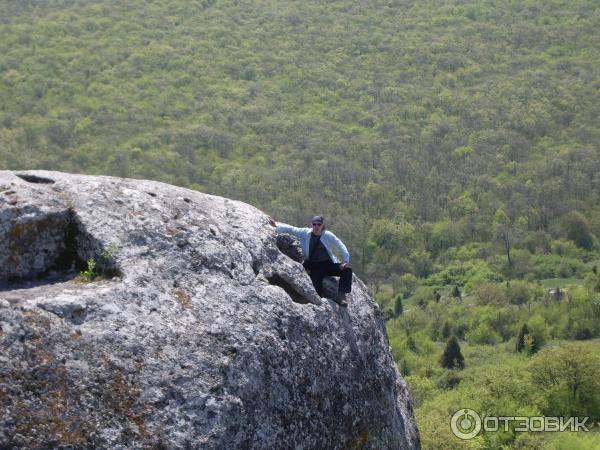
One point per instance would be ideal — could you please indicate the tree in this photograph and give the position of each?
(518, 292)
(388, 315)
(504, 232)
(577, 230)
(452, 357)
(446, 330)
(531, 345)
(521, 338)
(411, 344)
(398, 308)
(456, 292)
(568, 375)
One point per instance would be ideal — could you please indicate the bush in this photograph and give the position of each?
(521, 264)
(572, 441)
(490, 294)
(592, 281)
(538, 331)
(466, 275)
(444, 234)
(582, 333)
(577, 229)
(538, 243)
(570, 267)
(406, 284)
(448, 380)
(422, 296)
(421, 389)
(567, 248)
(567, 377)
(422, 263)
(483, 335)
(557, 265)
(546, 265)
(584, 315)
(518, 292)
(388, 314)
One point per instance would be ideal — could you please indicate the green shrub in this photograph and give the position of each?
(422, 296)
(483, 334)
(406, 284)
(466, 275)
(490, 294)
(577, 229)
(567, 248)
(545, 265)
(421, 389)
(518, 292)
(567, 377)
(571, 441)
(449, 379)
(538, 331)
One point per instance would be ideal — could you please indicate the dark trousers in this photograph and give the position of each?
(321, 269)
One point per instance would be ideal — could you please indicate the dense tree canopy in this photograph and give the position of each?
(392, 117)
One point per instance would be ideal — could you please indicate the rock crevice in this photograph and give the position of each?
(48, 244)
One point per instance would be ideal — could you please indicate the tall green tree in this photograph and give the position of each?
(452, 357)
(398, 308)
(521, 338)
(577, 229)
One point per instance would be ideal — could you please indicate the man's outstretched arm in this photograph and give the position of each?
(285, 228)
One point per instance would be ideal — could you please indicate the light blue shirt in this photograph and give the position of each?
(328, 239)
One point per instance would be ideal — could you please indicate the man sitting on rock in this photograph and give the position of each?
(319, 260)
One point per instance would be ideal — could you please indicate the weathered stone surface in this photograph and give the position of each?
(204, 335)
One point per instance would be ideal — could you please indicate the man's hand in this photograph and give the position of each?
(343, 265)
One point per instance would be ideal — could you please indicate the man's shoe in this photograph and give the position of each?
(340, 299)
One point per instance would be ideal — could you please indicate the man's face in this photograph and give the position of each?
(316, 226)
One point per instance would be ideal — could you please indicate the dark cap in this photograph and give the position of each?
(318, 219)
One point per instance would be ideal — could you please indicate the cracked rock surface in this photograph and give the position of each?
(204, 332)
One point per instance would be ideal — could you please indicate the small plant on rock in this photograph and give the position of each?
(101, 268)
(88, 274)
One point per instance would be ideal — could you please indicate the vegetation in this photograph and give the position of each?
(102, 268)
(526, 353)
(89, 274)
(454, 146)
(452, 357)
(417, 128)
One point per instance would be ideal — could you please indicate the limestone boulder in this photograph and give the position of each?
(136, 314)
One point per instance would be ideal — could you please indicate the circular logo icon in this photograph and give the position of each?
(465, 424)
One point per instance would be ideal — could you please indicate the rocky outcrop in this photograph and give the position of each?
(191, 328)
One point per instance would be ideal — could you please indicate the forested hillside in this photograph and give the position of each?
(414, 126)
(454, 145)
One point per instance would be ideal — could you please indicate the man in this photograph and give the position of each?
(319, 260)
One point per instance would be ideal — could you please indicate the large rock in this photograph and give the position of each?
(200, 332)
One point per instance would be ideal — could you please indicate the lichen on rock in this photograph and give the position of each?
(209, 334)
